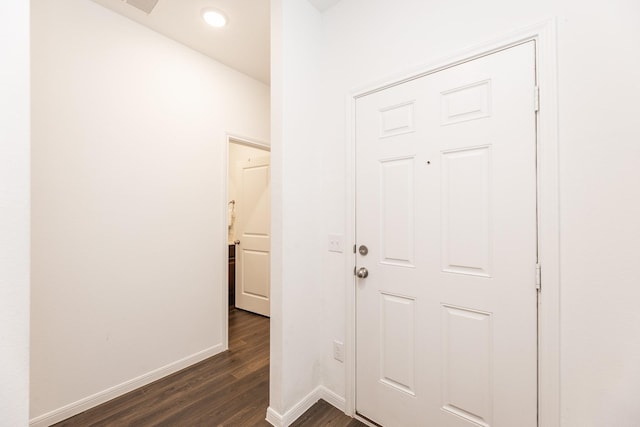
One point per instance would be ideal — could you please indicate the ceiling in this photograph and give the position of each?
(244, 44)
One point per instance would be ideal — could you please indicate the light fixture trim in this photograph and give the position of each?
(214, 18)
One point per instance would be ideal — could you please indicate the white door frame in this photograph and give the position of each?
(249, 142)
(544, 35)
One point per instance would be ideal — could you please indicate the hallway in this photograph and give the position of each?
(229, 389)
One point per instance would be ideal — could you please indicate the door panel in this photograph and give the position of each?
(466, 192)
(467, 370)
(253, 232)
(446, 203)
(396, 211)
(397, 335)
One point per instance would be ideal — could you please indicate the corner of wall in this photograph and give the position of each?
(14, 211)
(296, 173)
(284, 420)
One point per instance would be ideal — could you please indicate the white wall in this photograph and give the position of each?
(296, 179)
(364, 41)
(128, 200)
(14, 213)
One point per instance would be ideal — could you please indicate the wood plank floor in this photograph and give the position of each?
(229, 389)
(323, 414)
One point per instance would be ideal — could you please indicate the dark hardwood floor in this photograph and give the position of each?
(229, 389)
(323, 414)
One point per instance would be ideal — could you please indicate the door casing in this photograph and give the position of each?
(544, 35)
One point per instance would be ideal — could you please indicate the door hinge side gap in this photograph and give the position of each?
(538, 277)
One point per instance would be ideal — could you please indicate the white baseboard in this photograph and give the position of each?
(273, 417)
(320, 392)
(332, 398)
(89, 402)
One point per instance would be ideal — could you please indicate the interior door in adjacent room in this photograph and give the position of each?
(253, 238)
(446, 206)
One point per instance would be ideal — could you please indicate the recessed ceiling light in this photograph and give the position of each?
(214, 18)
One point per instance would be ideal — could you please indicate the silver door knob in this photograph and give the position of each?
(362, 273)
(237, 242)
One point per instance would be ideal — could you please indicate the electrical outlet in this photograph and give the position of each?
(338, 351)
(335, 243)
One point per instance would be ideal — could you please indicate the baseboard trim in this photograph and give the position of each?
(333, 399)
(99, 398)
(320, 392)
(273, 417)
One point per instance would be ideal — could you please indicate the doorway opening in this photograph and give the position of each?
(248, 225)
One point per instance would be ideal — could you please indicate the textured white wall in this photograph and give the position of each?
(14, 213)
(128, 198)
(364, 41)
(298, 240)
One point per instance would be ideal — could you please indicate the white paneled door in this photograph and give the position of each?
(446, 206)
(253, 237)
